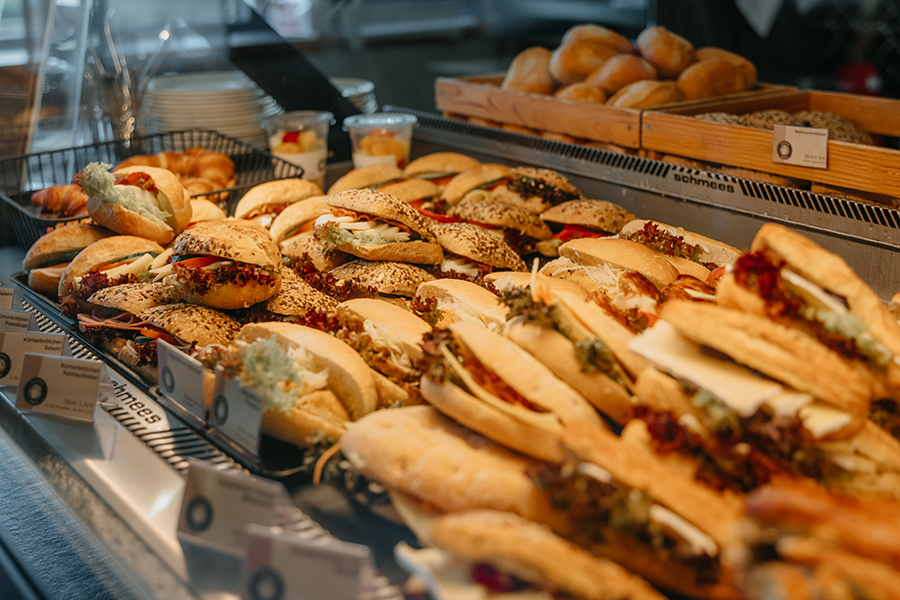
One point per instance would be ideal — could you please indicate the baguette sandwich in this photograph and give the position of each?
(521, 229)
(461, 301)
(470, 252)
(49, 256)
(265, 202)
(439, 167)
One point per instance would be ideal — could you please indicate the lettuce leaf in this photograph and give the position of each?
(97, 181)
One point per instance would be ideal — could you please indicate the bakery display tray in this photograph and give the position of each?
(23, 175)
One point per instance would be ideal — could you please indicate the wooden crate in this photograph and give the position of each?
(482, 97)
(673, 130)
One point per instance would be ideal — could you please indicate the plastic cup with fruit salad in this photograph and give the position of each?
(380, 138)
(301, 138)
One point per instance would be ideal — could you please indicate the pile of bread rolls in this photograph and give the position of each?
(596, 64)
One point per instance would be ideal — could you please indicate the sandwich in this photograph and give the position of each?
(388, 337)
(313, 384)
(264, 202)
(579, 343)
(205, 210)
(381, 279)
(417, 192)
(141, 201)
(439, 464)
(690, 253)
(793, 281)
(577, 219)
(49, 256)
(223, 265)
(803, 542)
(624, 277)
(521, 229)
(457, 301)
(471, 251)
(494, 387)
(476, 183)
(535, 189)
(501, 282)
(188, 327)
(297, 220)
(480, 553)
(375, 226)
(621, 502)
(781, 392)
(296, 302)
(439, 167)
(371, 177)
(108, 261)
(115, 316)
(309, 253)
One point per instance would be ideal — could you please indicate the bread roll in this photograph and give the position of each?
(669, 53)
(709, 78)
(746, 67)
(530, 72)
(588, 32)
(572, 62)
(619, 71)
(581, 92)
(645, 93)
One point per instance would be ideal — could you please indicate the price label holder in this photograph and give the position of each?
(800, 146)
(15, 344)
(285, 565)
(181, 383)
(60, 386)
(219, 503)
(17, 320)
(236, 414)
(8, 298)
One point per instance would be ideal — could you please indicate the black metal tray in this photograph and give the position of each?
(23, 175)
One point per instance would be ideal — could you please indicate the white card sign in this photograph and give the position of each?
(14, 345)
(7, 298)
(800, 146)
(181, 378)
(236, 411)
(59, 385)
(218, 505)
(284, 565)
(17, 320)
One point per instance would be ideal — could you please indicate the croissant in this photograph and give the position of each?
(200, 170)
(67, 200)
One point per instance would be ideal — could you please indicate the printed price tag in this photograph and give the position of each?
(800, 146)
(17, 320)
(181, 378)
(61, 386)
(219, 504)
(236, 411)
(14, 345)
(282, 564)
(7, 298)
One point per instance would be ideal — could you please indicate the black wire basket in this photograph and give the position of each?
(22, 223)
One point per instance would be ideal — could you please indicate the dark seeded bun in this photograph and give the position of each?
(261, 198)
(134, 297)
(367, 177)
(193, 323)
(597, 214)
(498, 214)
(477, 244)
(297, 298)
(321, 255)
(392, 278)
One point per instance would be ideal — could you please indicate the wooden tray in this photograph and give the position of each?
(482, 97)
(673, 130)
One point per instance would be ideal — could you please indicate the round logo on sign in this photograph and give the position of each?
(35, 391)
(167, 379)
(220, 409)
(266, 584)
(199, 514)
(5, 364)
(784, 149)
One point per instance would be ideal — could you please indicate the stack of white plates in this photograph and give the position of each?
(226, 101)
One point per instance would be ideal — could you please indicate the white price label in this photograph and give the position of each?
(282, 564)
(17, 320)
(219, 504)
(14, 345)
(7, 297)
(181, 378)
(800, 146)
(236, 411)
(59, 385)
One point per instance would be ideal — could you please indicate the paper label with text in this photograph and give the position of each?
(7, 297)
(236, 412)
(17, 320)
(800, 146)
(59, 385)
(14, 345)
(181, 378)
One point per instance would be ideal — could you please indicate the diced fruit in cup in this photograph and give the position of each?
(383, 143)
(295, 142)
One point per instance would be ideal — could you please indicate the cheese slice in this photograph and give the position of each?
(460, 265)
(161, 259)
(821, 419)
(813, 292)
(546, 421)
(135, 267)
(732, 383)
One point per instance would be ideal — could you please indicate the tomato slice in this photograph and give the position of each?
(574, 232)
(417, 204)
(198, 262)
(158, 335)
(442, 180)
(715, 275)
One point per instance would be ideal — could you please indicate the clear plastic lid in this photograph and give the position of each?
(380, 120)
